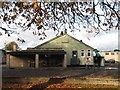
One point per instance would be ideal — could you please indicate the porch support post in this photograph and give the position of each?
(36, 60)
(102, 62)
(65, 61)
(8, 60)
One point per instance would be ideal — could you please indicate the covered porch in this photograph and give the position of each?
(37, 58)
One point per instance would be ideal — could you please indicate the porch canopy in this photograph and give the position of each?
(40, 57)
(40, 52)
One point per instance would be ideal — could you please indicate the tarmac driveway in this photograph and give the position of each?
(98, 76)
(58, 71)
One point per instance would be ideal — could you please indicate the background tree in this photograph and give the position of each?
(12, 46)
(41, 16)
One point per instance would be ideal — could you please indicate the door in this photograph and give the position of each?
(74, 58)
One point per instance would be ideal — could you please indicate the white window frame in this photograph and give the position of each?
(89, 52)
(112, 53)
(107, 53)
(82, 51)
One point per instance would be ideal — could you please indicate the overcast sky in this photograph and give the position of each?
(103, 41)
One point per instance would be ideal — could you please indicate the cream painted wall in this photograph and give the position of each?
(69, 44)
(110, 56)
(20, 62)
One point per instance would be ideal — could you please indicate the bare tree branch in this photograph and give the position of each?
(57, 15)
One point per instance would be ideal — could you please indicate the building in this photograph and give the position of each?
(2, 57)
(63, 51)
(111, 55)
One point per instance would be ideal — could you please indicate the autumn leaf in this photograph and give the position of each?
(104, 24)
(8, 35)
(25, 3)
(39, 27)
(0, 4)
(45, 15)
(14, 9)
(40, 13)
(13, 17)
(90, 10)
(4, 18)
(35, 5)
(19, 4)
(20, 10)
(9, 22)
(26, 7)
(23, 15)
(10, 10)
(39, 21)
(29, 25)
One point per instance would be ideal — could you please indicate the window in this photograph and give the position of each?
(106, 53)
(82, 52)
(74, 53)
(112, 53)
(89, 53)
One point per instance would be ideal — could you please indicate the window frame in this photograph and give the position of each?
(112, 53)
(89, 53)
(106, 53)
(82, 53)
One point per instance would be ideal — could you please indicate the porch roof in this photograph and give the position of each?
(40, 52)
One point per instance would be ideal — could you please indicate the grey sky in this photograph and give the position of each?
(103, 41)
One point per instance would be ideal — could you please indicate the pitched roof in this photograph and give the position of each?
(61, 36)
(80, 41)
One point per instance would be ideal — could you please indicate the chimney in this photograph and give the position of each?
(14, 47)
(80, 40)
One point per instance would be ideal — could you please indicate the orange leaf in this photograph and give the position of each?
(35, 5)
(39, 21)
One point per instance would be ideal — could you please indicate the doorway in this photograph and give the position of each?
(74, 58)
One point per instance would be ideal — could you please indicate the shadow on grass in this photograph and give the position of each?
(46, 84)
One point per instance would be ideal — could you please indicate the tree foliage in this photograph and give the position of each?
(41, 16)
(10, 46)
